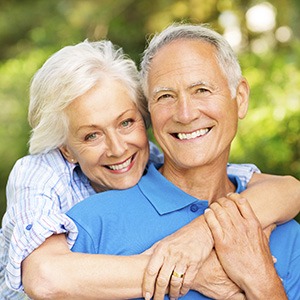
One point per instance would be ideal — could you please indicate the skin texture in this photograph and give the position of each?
(199, 107)
(190, 105)
(116, 140)
(237, 233)
(189, 95)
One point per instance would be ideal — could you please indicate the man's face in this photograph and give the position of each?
(193, 115)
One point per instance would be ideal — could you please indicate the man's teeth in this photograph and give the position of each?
(121, 166)
(195, 134)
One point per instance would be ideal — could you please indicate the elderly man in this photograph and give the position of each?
(196, 95)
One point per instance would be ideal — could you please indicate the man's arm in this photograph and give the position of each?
(274, 199)
(213, 282)
(243, 250)
(188, 248)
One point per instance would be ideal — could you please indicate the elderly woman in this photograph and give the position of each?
(88, 121)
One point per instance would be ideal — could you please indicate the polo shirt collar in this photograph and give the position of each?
(164, 195)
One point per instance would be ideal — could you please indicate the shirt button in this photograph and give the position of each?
(28, 227)
(194, 207)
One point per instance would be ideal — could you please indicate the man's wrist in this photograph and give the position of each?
(267, 288)
(205, 232)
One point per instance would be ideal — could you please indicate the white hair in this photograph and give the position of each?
(226, 58)
(68, 74)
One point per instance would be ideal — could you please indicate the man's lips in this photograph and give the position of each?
(191, 135)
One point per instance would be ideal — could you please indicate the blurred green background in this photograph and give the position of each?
(265, 35)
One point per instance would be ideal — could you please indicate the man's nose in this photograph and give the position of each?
(185, 110)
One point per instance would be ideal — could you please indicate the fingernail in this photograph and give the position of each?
(229, 194)
(147, 296)
(207, 210)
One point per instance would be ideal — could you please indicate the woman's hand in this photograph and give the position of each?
(176, 260)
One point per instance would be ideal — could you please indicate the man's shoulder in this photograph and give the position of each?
(290, 227)
(105, 201)
(286, 237)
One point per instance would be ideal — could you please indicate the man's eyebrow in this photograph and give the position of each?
(161, 89)
(199, 83)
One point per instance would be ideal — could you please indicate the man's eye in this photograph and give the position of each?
(202, 91)
(164, 96)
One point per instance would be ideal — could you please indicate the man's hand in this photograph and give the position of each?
(213, 282)
(242, 248)
(182, 253)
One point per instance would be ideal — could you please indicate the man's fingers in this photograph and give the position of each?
(188, 279)
(243, 205)
(165, 276)
(150, 275)
(213, 223)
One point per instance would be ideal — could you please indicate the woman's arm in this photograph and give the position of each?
(54, 272)
(274, 199)
(57, 272)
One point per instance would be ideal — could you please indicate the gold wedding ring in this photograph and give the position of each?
(178, 275)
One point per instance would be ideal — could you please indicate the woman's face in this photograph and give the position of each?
(107, 137)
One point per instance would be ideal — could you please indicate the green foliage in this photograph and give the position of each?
(32, 30)
(269, 136)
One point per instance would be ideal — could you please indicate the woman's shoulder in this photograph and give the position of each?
(37, 166)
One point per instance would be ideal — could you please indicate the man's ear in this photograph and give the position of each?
(242, 97)
(67, 154)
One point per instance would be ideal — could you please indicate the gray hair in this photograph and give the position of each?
(227, 59)
(68, 74)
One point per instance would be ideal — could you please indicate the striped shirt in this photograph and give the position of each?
(40, 190)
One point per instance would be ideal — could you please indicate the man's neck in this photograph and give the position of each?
(204, 183)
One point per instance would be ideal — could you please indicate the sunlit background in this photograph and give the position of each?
(265, 36)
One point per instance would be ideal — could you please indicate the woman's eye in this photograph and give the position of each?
(90, 136)
(127, 123)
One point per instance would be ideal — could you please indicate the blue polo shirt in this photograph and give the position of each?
(126, 222)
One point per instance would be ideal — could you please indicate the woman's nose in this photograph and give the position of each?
(116, 145)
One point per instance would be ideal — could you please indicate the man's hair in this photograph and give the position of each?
(226, 58)
(68, 74)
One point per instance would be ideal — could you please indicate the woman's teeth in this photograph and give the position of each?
(120, 166)
(192, 135)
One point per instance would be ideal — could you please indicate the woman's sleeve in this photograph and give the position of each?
(243, 171)
(34, 212)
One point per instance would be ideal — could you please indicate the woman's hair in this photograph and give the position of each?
(225, 55)
(68, 74)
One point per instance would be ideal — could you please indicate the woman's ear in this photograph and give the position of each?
(67, 154)
(242, 97)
